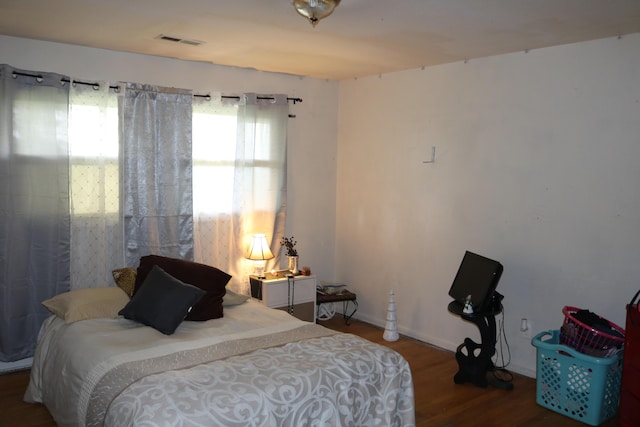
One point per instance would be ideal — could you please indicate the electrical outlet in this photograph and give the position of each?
(525, 328)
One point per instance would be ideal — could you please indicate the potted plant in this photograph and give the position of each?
(289, 243)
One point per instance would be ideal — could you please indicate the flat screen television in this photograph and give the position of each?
(477, 276)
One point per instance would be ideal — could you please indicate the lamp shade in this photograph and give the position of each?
(315, 10)
(259, 248)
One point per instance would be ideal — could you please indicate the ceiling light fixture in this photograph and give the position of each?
(315, 10)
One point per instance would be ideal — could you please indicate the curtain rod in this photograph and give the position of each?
(39, 78)
(294, 100)
(96, 86)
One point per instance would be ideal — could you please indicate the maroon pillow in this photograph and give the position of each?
(205, 277)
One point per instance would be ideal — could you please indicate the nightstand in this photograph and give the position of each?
(279, 292)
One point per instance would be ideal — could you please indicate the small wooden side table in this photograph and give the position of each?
(345, 297)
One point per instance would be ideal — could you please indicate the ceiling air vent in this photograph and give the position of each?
(175, 39)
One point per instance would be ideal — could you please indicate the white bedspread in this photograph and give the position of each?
(333, 380)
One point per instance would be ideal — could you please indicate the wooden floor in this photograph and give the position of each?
(439, 402)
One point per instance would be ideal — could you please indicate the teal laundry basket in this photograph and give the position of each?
(579, 386)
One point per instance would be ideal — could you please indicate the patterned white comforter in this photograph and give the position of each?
(254, 367)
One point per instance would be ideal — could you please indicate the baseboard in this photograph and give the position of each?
(437, 342)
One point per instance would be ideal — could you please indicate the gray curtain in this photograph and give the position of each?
(155, 135)
(34, 204)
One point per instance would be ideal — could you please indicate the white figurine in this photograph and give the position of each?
(468, 306)
(391, 329)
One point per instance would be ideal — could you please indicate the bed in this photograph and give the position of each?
(254, 366)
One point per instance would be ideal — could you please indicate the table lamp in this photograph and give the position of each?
(259, 252)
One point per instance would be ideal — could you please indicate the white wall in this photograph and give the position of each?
(536, 166)
(312, 134)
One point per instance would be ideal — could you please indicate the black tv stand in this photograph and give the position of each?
(474, 360)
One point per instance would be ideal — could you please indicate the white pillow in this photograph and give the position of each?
(232, 298)
(88, 303)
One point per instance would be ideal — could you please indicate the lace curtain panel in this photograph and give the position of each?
(239, 161)
(96, 224)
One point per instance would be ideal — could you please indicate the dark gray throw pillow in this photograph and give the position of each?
(164, 304)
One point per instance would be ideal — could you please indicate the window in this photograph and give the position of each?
(214, 154)
(238, 156)
(219, 161)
